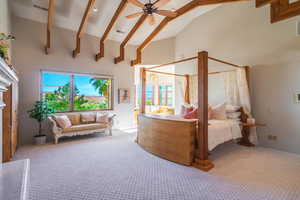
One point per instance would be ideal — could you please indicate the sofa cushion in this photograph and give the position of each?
(74, 118)
(85, 127)
(62, 121)
(102, 117)
(88, 117)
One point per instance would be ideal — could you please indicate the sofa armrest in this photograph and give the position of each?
(111, 117)
(55, 128)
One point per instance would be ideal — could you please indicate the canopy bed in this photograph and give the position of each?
(188, 141)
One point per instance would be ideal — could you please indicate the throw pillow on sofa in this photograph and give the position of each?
(88, 118)
(63, 121)
(102, 117)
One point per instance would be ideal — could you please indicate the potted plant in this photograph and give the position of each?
(40, 113)
(4, 46)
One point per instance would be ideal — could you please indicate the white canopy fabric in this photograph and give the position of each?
(237, 93)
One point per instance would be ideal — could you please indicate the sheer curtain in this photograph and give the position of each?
(194, 89)
(237, 93)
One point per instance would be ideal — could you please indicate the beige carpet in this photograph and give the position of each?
(115, 168)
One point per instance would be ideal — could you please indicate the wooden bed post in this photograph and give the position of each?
(187, 90)
(143, 93)
(247, 69)
(201, 161)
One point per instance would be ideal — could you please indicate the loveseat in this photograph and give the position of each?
(73, 124)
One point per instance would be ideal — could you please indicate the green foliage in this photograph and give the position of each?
(101, 85)
(3, 44)
(60, 98)
(41, 110)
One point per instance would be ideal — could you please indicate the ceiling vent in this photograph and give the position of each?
(298, 28)
(41, 4)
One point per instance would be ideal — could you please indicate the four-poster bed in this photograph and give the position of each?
(184, 141)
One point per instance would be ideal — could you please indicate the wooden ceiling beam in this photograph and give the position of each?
(109, 28)
(181, 11)
(84, 20)
(128, 37)
(283, 9)
(261, 3)
(49, 25)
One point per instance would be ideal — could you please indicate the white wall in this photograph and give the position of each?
(4, 28)
(243, 34)
(29, 59)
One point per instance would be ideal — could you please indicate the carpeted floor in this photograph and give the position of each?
(115, 168)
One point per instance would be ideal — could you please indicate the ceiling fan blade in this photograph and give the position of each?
(151, 20)
(134, 15)
(161, 3)
(137, 3)
(167, 13)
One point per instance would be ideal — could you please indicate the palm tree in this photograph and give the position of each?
(101, 85)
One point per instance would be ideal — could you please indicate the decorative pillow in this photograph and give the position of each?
(88, 117)
(233, 115)
(186, 109)
(102, 117)
(191, 115)
(74, 118)
(63, 121)
(231, 108)
(219, 112)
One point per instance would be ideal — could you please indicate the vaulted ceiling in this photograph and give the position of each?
(68, 14)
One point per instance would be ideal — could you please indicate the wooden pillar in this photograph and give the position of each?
(143, 93)
(201, 161)
(187, 90)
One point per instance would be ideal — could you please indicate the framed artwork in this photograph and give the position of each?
(124, 95)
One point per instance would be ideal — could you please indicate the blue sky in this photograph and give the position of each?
(51, 82)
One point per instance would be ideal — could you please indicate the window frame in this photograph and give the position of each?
(72, 74)
(166, 95)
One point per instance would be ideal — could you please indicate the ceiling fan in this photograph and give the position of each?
(150, 8)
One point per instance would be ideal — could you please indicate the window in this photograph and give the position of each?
(76, 92)
(166, 95)
(149, 95)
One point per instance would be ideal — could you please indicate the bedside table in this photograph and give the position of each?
(246, 133)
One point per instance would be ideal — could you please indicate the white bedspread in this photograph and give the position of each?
(220, 131)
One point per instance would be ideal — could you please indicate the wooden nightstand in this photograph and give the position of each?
(246, 132)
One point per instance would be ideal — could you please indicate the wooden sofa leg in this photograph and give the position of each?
(56, 140)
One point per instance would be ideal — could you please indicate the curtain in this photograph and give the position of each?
(194, 89)
(181, 82)
(237, 93)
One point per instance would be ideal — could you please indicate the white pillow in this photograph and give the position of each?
(218, 112)
(233, 115)
(231, 108)
(102, 117)
(63, 121)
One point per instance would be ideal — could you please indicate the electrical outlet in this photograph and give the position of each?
(272, 137)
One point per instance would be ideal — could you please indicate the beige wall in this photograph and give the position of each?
(4, 28)
(29, 59)
(243, 34)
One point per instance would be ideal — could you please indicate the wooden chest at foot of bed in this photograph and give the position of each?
(169, 138)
